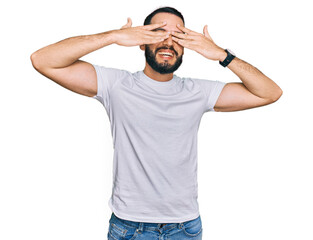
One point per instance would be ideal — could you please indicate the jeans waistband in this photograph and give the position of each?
(146, 225)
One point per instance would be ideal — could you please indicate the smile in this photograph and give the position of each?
(166, 54)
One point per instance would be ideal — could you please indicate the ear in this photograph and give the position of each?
(143, 47)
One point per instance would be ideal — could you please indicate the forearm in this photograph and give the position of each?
(67, 51)
(254, 80)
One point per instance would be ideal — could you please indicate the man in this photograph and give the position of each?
(154, 117)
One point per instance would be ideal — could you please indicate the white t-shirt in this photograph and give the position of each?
(154, 126)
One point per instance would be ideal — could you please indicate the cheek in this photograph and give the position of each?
(151, 47)
(180, 49)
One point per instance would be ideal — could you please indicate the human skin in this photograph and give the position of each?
(60, 61)
(255, 89)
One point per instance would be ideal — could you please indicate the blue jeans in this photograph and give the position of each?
(120, 229)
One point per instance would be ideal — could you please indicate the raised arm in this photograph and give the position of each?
(60, 61)
(255, 90)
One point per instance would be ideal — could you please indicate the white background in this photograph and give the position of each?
(255, 166)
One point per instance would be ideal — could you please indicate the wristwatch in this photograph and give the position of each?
(229, 58)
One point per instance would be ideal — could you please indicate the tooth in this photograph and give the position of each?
(166, 53)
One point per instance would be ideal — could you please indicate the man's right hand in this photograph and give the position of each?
(135, 36)
(60, 61)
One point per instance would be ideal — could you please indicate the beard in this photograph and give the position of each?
(163, 68)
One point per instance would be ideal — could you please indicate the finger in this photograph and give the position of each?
(153, 40)
(128, 24)
(157, 33)
(154, 26)
(186, 30)
(151, 35)
(206, 33)
(182, 42)
(182, 35)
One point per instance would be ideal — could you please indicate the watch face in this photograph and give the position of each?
(231, 52)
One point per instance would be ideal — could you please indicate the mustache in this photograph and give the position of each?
(167, 48)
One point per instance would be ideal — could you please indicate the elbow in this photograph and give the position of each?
(34, 60)
(278, 94)
(275, 96)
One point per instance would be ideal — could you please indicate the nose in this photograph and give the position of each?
(169, 41)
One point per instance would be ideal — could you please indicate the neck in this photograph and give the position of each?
(156, 75)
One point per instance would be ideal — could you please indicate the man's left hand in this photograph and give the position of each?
(201, 43)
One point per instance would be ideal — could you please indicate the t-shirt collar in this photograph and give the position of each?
(151, 81)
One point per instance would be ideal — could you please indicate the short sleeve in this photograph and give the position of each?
(107, 78)
(212, 90)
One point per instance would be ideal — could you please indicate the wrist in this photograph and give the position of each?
(113, 36)
(222, 55)
(107, 38)
(230, 57)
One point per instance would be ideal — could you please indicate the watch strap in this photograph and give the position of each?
(228, 59)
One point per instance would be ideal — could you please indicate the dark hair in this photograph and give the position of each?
(163, 10)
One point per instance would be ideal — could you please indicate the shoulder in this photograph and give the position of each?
(113, 72)
(202, 84)
(111, 76)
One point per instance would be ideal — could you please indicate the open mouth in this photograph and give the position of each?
(166, 54)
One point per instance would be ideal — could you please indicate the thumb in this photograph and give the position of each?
(128, 24)
(206, 33)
